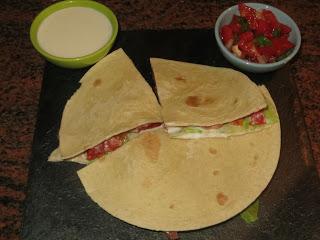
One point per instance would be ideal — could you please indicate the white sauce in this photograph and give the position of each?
(74, 32)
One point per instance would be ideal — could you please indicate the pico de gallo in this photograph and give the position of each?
(257, 36)
(116, 141)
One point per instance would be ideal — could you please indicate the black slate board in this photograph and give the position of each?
(57, 206)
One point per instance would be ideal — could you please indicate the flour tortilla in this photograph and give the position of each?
(199, 95)
(166, 184)
(230, 129)
(113, 98)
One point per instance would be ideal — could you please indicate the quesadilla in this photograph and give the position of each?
(167, 184)
(113, 104)
(196, 100)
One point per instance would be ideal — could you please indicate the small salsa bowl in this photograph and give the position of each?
(76, 62)
(245, 65)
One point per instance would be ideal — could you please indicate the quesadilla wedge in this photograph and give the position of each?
(113, 104)
(167, 184)
(252, 123)
(203, 96)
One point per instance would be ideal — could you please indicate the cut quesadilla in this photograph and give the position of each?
(202, 98)
(254, 122)
(113, 104)
(167, 184)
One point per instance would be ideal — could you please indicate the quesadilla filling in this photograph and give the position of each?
(117, 141)
(254, 122)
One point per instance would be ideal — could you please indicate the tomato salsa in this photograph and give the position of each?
(257, 36)
(116, 141)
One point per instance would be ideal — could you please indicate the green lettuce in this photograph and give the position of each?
(250, 214)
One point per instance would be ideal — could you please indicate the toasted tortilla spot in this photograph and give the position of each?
(97, 82)
(213, 151)
(222, 198)
(196, 101)
(151, 146)
(180, 79)
(193, 101)
(235, 101)
(215, 172)
(255, 157)
(147, 183)
(171, 206)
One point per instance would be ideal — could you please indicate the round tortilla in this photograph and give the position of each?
(113, 98)
(199, 95)
(160, 183)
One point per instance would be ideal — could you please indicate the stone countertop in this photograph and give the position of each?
(22, 68)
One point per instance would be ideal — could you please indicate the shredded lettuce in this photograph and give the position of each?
(250, 214)
(192, 130)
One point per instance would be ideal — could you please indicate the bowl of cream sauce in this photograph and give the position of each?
(74, 34)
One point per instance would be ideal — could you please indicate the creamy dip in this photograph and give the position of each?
(74, 32)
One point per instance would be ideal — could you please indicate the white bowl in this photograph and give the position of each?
(294, 37)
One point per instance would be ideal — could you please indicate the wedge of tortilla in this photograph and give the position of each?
(113, 98)
(248, 124)
(167, 184)
(199, 95)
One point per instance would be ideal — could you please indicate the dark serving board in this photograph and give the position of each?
(57, 206)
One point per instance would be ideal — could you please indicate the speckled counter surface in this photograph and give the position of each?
(22, 68)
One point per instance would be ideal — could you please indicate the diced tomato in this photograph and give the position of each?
(235, 25)
(270, 18)
(238, 122)
(246, 37)
(115, 142)
(268, 52)
(257, 118)
(249, 13)
(284, 29)
(236, 28)
(106, 146)
(226, 34)
(95, 152)
(249, 49)
(263, 28)
(246, 11)
(148, 126)
(281, 46)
